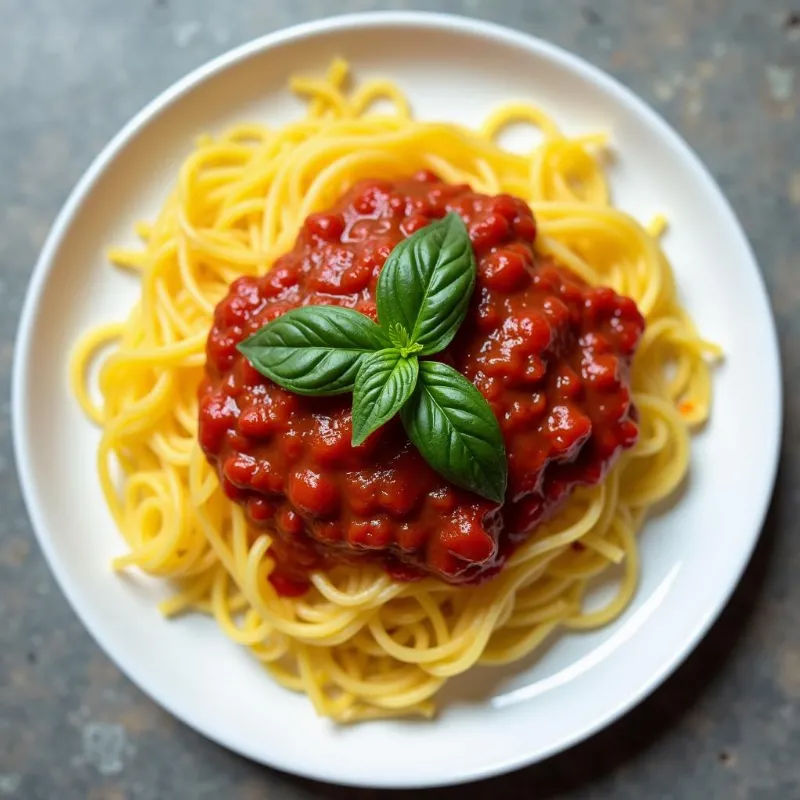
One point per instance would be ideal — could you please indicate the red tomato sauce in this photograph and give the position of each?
(549, 353)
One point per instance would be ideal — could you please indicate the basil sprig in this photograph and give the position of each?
(422, 297)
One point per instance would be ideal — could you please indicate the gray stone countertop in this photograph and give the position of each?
(726, 74)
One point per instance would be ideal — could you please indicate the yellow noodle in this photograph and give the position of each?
(359, 644)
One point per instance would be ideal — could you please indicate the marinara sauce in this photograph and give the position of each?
(549, 353)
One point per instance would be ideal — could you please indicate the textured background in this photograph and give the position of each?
(725, 73)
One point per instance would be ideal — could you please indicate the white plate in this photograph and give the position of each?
(492, 720)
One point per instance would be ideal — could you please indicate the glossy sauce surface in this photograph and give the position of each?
(549, 353)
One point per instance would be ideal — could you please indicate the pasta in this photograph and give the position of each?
(360, 644)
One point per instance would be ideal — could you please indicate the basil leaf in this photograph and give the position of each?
(384, 382)
(454, 428)
(314, 350)
(426, 284)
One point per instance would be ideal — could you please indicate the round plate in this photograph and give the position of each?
(692, 554)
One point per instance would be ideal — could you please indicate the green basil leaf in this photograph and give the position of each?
(426, 284)
(384, 382)
(314, 350)
(454, 428)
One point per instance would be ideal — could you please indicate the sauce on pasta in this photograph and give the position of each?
(549, 353)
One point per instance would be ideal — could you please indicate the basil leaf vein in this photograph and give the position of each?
(384, 383)
(426, 283)
(455, 429)
(314, 350)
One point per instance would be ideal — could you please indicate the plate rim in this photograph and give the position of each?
(341, 23)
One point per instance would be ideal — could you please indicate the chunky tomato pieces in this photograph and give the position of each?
(549, 353)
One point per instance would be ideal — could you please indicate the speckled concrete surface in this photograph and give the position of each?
(726, 74)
